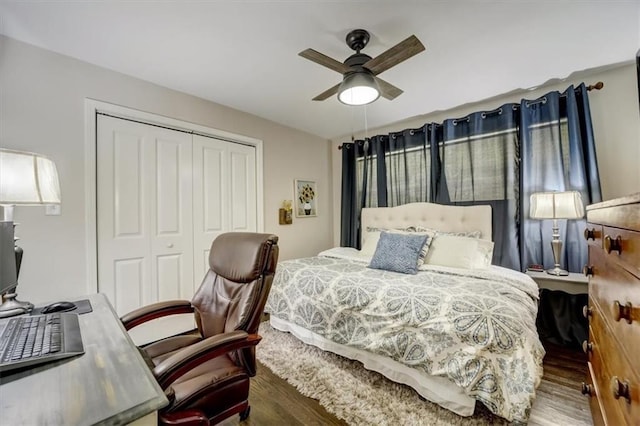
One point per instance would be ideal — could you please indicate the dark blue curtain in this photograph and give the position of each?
(408, 172)
(558, 154)
(496, 157)
(477, 164)
(349, 215)
(359, 188)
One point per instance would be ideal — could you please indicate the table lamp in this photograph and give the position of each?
(556, 205)
(26, 179)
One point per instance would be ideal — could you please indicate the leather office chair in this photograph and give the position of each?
(205, 374)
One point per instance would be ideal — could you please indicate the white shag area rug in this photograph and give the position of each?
(349, 391)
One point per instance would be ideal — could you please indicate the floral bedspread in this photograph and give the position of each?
(475, 327)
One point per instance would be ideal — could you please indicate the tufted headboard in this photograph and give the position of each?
(436, 216)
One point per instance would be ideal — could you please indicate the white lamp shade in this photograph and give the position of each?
(27, 179)
(556, 205)
(358, 88)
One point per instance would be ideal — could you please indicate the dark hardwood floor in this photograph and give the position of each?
(558, 402)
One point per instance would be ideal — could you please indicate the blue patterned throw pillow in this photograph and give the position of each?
(398, 252)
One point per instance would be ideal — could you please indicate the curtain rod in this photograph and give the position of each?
(599, 85)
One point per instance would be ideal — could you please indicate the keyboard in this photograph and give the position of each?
(27, 341)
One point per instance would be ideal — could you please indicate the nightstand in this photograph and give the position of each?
(574, 283)
(560, 318)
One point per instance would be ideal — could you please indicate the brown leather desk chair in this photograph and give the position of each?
(205, 375)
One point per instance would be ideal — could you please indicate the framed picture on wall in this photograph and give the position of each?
(306, 197)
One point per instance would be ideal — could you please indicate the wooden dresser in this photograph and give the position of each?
(613, 384)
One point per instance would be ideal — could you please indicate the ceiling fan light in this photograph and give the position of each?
(358, 88)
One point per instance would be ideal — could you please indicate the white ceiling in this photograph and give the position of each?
(244, 54)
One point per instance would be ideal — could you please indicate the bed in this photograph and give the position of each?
(456, 335)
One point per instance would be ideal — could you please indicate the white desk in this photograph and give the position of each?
(109, 384)
(573, 283)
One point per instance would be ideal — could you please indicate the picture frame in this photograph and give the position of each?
(306, 198)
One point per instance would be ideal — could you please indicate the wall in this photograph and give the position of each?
(42, 110)
(614, 114)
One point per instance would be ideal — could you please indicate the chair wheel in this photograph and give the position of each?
(244, 414)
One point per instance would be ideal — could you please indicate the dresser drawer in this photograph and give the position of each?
(609, 364)
(613, 289)
(628, 243)
(622, 213)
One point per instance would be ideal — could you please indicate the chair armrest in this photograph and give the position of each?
(184, 418)
(212, 347)
(155, 310)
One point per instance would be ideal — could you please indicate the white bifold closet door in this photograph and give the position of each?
(163, 196)
(224, 193)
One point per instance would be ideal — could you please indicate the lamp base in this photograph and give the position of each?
(557, 272)
(556, 247)
(11, 306)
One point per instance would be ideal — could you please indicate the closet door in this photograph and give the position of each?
(144, 194)
(224, 193)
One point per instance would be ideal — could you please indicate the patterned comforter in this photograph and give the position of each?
(474, 327)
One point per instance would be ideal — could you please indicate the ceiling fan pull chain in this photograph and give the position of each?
(366, 124)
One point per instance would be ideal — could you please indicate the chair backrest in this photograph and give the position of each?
(235, 289)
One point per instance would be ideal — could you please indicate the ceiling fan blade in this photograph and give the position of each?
(327, 93)
(388, 90)
(392, 57)
(324, 60)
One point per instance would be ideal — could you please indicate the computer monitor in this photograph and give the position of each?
(8, 270)
(8, 273)
(638, 75)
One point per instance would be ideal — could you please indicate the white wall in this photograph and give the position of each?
(614, 114)
(42, 110)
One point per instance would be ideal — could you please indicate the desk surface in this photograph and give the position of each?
(109, 384)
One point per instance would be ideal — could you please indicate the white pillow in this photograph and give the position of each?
(370, 242)
(459, 252)
(470, 234)
(484, 255)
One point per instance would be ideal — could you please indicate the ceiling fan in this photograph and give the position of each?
(360, 84)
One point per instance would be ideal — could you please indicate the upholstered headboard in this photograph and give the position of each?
(435, 216)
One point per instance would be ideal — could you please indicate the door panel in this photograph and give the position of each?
(145, 249)
(210, 188)
(128, 292)
(171, 212)
(224, 178)
(212, 179)
(169, 271)
(238, 194)
(243, 188)
(127, 162)
(168, 189)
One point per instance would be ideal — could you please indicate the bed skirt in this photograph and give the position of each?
(435, 389)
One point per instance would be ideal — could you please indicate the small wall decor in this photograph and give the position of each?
(285, 213)
(306, 198)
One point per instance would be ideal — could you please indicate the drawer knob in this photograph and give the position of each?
(587, 270)
(622, 311)
(587, 311)
(613, 244)
(620, 389)
(590, 234)
(587, 347)
(586, 389)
